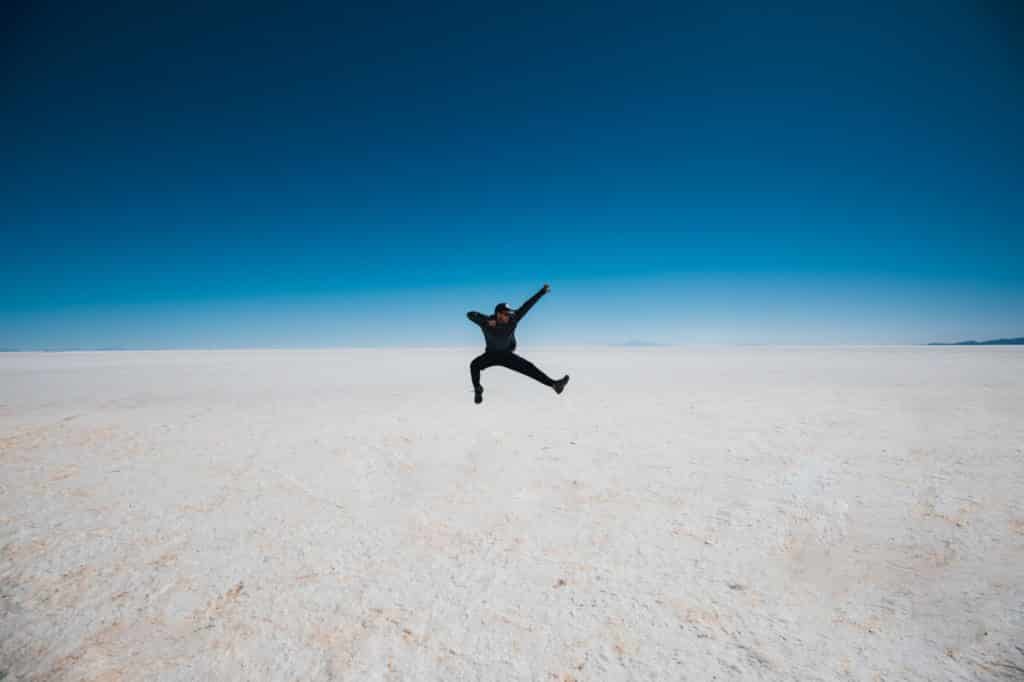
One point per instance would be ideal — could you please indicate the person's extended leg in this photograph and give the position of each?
(520, 364)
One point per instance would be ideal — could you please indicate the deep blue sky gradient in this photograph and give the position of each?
(299, 175)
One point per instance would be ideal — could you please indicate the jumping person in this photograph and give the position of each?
(500, 333)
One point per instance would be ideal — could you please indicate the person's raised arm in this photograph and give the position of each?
(477, 318)
(525, 307)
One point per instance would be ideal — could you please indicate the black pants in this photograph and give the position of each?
(506, 359)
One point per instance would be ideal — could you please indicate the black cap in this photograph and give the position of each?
(502, 308)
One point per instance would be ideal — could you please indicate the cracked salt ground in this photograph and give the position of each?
(745, 513)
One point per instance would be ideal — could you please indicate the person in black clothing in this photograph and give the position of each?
(500, 334)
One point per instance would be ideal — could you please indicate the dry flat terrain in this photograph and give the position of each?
(679, 513)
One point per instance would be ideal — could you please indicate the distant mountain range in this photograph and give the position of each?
(1019, 341)
(639, 343)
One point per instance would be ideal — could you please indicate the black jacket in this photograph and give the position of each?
(502, 337)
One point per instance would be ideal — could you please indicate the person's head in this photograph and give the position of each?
(503, 313)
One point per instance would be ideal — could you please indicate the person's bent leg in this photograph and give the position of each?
(479, 363)
(520, 364)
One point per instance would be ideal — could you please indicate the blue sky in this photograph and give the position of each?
(238, 176)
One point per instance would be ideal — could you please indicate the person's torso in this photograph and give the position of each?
(500, 337)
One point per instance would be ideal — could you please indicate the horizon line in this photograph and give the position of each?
(620, 346)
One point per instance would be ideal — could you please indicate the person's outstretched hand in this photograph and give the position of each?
(546, 288)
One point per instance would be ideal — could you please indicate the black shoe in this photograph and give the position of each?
(478, 396)
(559, 385)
